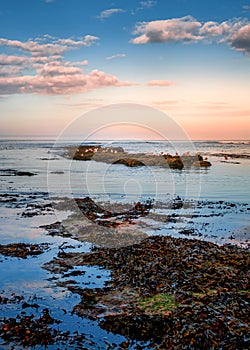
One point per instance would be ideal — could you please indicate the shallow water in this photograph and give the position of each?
(225, 182)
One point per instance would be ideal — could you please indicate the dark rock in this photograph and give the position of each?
(23, 250)
(202, 163)
(131, 162)
(12, 172)
(174, 162)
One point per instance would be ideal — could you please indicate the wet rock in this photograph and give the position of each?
(12, 172)
(23, 250)
(206, 289)
(8, 198)
(202, 163)
(35, 209)
(57, 172)
(174, 162)
(130, 162)
(107, 218)
(29, 331)
(231, 155)
(87, 152)
(177, 203)
(116, 155)
(137, 327)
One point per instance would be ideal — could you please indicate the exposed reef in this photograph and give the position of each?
(172, 293)
(117, 155)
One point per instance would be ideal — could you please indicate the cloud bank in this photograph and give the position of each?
(236, 33)
(40, 68)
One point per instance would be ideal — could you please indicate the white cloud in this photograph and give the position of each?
(87, 41)
(119, 55)
(246, 8)
(147, 4)
(235, 33)
(107, 13)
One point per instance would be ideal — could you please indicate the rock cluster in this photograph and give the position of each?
(170, 293)
(116, 155)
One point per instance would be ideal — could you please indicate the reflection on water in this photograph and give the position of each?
(218, 194)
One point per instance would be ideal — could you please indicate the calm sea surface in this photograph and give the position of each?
(225, 180)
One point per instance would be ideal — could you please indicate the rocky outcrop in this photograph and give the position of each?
(106, 218)
(87, 152)
(117, 155)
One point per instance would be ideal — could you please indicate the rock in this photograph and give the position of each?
(87, 152)
(174, 162)
(202, 163)
(12, 172)
(117, 155)
(131, 162)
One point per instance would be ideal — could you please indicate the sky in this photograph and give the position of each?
(189, 60)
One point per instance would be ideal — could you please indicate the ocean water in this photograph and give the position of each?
(219, 196)
(225, 180)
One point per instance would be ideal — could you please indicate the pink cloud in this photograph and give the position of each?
(48, 73)
(56, 47)
(56, 68)
(9, 70)
(214, 29)
(177, 29)
(34, 48)
(80, 63)
(12, 60)
(160, 83)
(59, 81)
(240, 40)
(187, 29)
(87, 41)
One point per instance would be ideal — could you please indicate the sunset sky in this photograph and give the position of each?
(187, 58)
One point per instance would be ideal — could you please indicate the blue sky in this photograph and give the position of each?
(187, 58)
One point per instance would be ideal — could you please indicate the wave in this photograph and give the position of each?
(237, 142)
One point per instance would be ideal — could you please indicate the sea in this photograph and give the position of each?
(219, 213)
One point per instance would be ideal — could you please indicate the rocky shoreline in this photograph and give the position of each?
(164, 292)
(172, 293)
